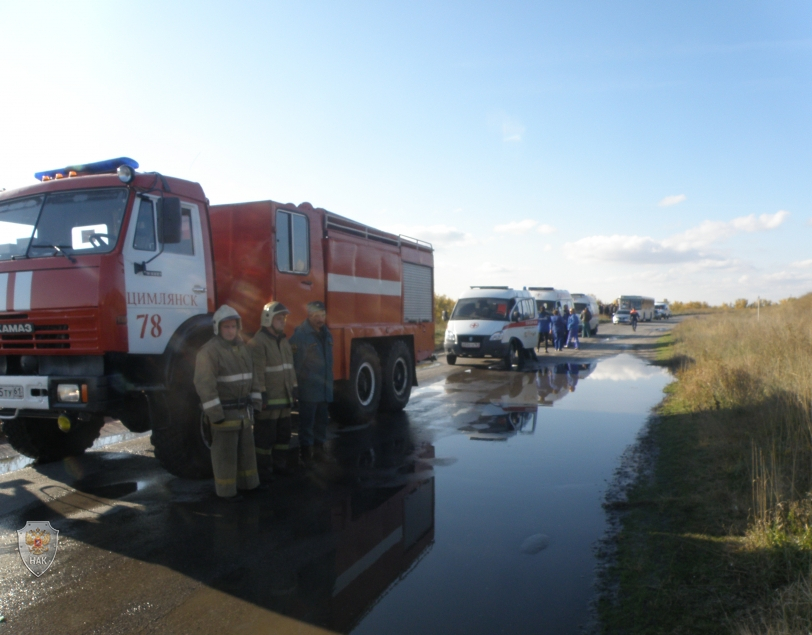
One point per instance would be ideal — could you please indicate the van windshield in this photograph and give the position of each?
(483, 309)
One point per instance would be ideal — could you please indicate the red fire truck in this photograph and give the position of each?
(109, 278)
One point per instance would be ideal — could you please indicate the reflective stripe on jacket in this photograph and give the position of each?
(273, 367)
(223, 372)
(313, 361)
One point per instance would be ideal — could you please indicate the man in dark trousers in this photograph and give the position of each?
(543, 328)
(312, 346)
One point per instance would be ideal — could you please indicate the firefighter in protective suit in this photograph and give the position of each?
(276, 380)
(224, 381)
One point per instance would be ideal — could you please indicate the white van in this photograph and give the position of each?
(492, 322)
(553, 298)
(583, 300)
(661, 311)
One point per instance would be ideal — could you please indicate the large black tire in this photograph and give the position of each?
(136, 415)
(176, 434)
(175, 417)
(42, 439)
(357, 398)
(396, 377)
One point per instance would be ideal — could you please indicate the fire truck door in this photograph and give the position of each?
(298, 262)
(165, 284)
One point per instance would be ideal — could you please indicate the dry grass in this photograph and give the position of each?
(755, 378)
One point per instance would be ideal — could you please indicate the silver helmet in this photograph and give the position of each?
(270, 311)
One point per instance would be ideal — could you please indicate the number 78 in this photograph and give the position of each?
(154, 320)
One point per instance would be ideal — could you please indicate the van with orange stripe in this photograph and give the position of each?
(489, 321)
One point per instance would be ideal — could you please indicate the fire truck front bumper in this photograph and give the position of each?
(39, 393)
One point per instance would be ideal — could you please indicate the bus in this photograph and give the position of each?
(644, 306)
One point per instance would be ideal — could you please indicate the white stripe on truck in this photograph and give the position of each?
(22, 291)
(3, 289)
(336, 283)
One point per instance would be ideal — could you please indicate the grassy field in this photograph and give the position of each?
(717, 538)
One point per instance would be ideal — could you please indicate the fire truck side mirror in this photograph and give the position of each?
(169, 220)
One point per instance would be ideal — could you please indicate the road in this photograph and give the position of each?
(337, 549)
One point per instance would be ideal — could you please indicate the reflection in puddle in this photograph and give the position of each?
(517, 521)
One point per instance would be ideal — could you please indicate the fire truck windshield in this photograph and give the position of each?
(78, 221)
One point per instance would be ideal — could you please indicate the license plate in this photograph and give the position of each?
(11, 392)
(469, 344)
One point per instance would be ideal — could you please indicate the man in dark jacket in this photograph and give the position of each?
(312, 346)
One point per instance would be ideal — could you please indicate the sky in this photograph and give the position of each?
(648, 148)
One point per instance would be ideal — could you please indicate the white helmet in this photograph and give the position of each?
(270, 311)
(226, 312)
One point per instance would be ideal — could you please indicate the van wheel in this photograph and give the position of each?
(514, 357)
(451, 359)
(42, 439)
(357, 399)
(396, 374)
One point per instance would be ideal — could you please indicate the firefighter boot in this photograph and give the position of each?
(307, 455)
(281, 449)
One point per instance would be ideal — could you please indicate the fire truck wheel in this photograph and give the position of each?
(176, 435)
(357, 398)
(396, 375)
(451, 359)
(42, 439)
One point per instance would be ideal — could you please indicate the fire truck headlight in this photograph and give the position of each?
(450, 336)
(125, 173)
(68, 393)
(496, 336)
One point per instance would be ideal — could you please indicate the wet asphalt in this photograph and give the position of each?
(477, 510)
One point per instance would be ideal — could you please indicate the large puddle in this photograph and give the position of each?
(475, 511)
(526, 459)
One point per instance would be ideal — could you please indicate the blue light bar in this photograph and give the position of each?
(99, 167)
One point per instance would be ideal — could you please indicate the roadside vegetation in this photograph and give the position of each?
(737, 305)
(717, 535)
(441, 303)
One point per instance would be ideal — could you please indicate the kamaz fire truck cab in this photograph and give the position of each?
(108, 279)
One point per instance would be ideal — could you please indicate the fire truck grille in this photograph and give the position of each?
(80, 334)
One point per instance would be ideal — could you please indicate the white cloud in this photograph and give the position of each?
(490, 267)
(688, 246)
(512, 130)
(548, 247)
(437, 235)
(546, 229)
(618, 248)
(516, 227)
(802, 264)
(672, 200)
(709, 232)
